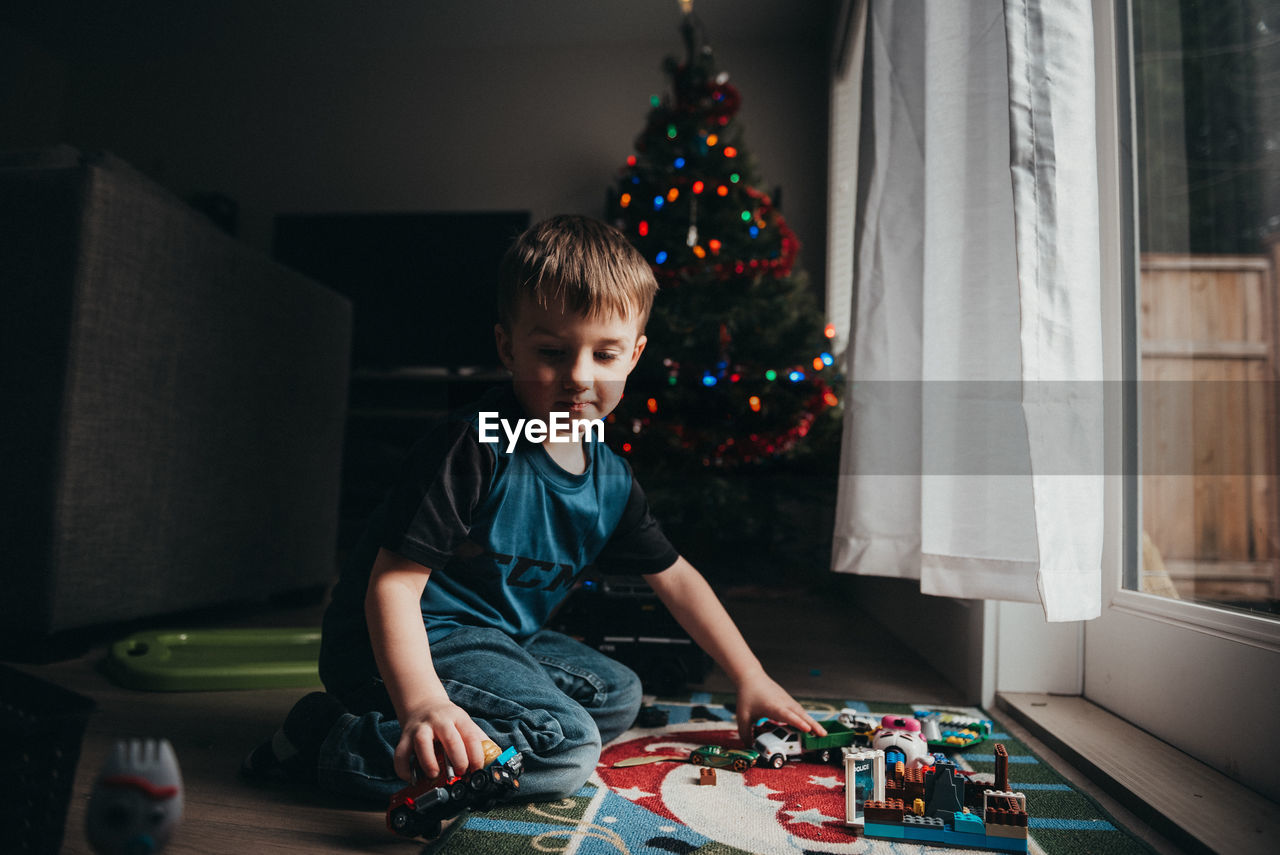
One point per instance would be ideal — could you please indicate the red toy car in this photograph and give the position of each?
(420, 808)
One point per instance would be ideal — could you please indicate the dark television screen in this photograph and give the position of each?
(421, 284)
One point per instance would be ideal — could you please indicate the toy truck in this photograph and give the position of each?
(419, 809)
(780, 742)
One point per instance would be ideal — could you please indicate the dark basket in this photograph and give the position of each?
(42, 726)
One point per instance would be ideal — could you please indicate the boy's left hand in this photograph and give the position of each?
(760, 697)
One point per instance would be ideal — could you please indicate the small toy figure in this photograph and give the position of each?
(901, 734)
(419, 809)
(137, 799)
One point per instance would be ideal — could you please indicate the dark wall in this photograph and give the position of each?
(319, 105)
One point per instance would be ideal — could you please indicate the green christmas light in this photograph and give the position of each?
(671, 132)
(655, 101)
(771, 375)
(746, 216)
(735, 178)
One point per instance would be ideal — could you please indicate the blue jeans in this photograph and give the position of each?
(552, 698)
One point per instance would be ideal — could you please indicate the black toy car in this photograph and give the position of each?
(420, 808)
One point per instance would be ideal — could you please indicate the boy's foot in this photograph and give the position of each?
(294, 750)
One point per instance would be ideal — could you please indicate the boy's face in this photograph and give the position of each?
(563, 362)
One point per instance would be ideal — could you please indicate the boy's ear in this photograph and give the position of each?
(502, 339)
(639, 349)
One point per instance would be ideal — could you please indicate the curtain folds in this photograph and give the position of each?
(972, 455)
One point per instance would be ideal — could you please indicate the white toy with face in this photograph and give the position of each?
(902, 733)
(136, 800)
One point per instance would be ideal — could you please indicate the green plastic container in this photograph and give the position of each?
(217, 659)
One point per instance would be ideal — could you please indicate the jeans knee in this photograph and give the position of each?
(575, 768)
(561, 771)
(630, 692)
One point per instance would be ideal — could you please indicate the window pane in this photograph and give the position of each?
(1207, 89)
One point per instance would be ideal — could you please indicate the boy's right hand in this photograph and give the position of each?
(444, 723)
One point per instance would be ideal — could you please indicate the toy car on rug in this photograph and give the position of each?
(419, 809)
(717, 757)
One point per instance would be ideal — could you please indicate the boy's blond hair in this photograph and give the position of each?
(585, 265)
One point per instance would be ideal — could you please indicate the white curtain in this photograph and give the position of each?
(973, 435)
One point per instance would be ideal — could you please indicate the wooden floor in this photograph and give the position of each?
(804, 641)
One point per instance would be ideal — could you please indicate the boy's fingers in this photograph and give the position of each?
(475, 753)
(814, 726)
(404, 763)
(401, 766)
(455, 750)
(425, 750)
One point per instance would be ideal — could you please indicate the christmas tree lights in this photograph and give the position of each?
(742, 371)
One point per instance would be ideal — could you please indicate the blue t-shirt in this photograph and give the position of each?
(506, 534)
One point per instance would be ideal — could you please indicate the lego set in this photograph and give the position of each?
(935, 804)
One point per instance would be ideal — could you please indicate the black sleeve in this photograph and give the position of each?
(429, 512)
(637, 545)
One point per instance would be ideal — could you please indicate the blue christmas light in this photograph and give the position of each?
(662, 256)
(827, 359)
(708, 379)
(679, 163)
(795, 376)
(658, 202)
(755, 231)
(635, 179)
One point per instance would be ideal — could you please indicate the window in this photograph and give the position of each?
(1187, 131)
(1206, 87)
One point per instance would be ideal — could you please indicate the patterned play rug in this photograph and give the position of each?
(660, 808)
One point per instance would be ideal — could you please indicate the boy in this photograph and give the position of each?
(434, 636)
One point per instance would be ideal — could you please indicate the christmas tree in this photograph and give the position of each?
(736, 372)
